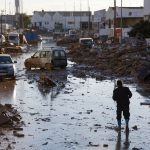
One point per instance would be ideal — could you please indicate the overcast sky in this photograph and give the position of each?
(63, 5)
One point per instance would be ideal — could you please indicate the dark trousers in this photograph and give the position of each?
(125, 110)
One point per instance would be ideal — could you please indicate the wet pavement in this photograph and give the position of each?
(77, 114)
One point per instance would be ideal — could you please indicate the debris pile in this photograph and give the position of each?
(120, 60)
(9, 116)
(46, 81)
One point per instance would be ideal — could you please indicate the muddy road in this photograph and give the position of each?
(77, 114)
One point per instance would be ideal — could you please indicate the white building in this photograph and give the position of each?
(37, 19)
(147, 9)
(129, 16)
(126, 17)
(59, 20)
(99, 19)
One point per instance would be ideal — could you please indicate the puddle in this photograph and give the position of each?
(77, 114)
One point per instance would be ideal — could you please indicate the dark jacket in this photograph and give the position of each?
(121, 95)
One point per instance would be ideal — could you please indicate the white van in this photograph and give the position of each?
(86, 42)
(47, 58)
(14, 38)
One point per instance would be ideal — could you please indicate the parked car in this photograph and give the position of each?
(7, 66)
(86, 42)
(14, 38)
(47, 59)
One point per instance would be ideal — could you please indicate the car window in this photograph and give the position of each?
(37, 54)
(86, 41)
(5, 60)
(48, 54)
(56, 54)
(62, 54)
(43, 54)
(13, 38)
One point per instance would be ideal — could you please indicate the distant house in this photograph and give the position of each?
(61, 20)
(129, 17)
(99, 19)
(37, 19)
(126, 17)
(147, 10)
(7, 23)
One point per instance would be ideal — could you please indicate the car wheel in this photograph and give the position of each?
(48, 66)
(28, 66)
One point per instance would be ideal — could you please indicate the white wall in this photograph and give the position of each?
(49, 20)
(130, 12)
(146, 7)
(36, 18)
(127, 12)
(99, 15)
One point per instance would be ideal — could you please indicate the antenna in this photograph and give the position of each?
(89, 17)
(74, 14)
(80, 13)
(114, 20)
(17, 5)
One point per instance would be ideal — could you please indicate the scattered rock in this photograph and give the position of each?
(15, 133)
(105, 145)
(45, 143)
(93, 145)
(135, 148)
(135, 127)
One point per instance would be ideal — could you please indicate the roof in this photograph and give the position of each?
(128, 7)
(64, 13)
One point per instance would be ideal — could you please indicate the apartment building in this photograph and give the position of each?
(61, 20)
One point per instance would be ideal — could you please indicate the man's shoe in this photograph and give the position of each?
(118, 129)
(127, 128)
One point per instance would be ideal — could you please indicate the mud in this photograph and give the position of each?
(77, 114)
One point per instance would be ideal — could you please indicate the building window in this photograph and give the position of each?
(46, 23)
(71, 22)
(130, 13)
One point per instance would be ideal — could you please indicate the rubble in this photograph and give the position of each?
(45, 80)
(8, 115)
(119, 60)
(10, 118)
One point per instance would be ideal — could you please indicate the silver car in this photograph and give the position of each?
(48, 59)
(7, 66)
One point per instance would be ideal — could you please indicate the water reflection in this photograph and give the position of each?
(48, 83)
(7, 91)
(126, 143)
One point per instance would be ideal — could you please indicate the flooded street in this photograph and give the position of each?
(77, 114)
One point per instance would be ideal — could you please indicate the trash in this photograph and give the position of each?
(17, 134)
(93, 145)
(105, 145)
(145, 103)
(125, 60)
(8, 115)
(135, 127)
(44, 80)
(4, 119)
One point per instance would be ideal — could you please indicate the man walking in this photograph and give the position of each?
(122, 95)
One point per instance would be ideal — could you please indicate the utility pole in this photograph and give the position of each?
(114, 20)
(121, 24)
(2, 21)
(89, 18)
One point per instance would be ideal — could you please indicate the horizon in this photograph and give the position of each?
(8, 7)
